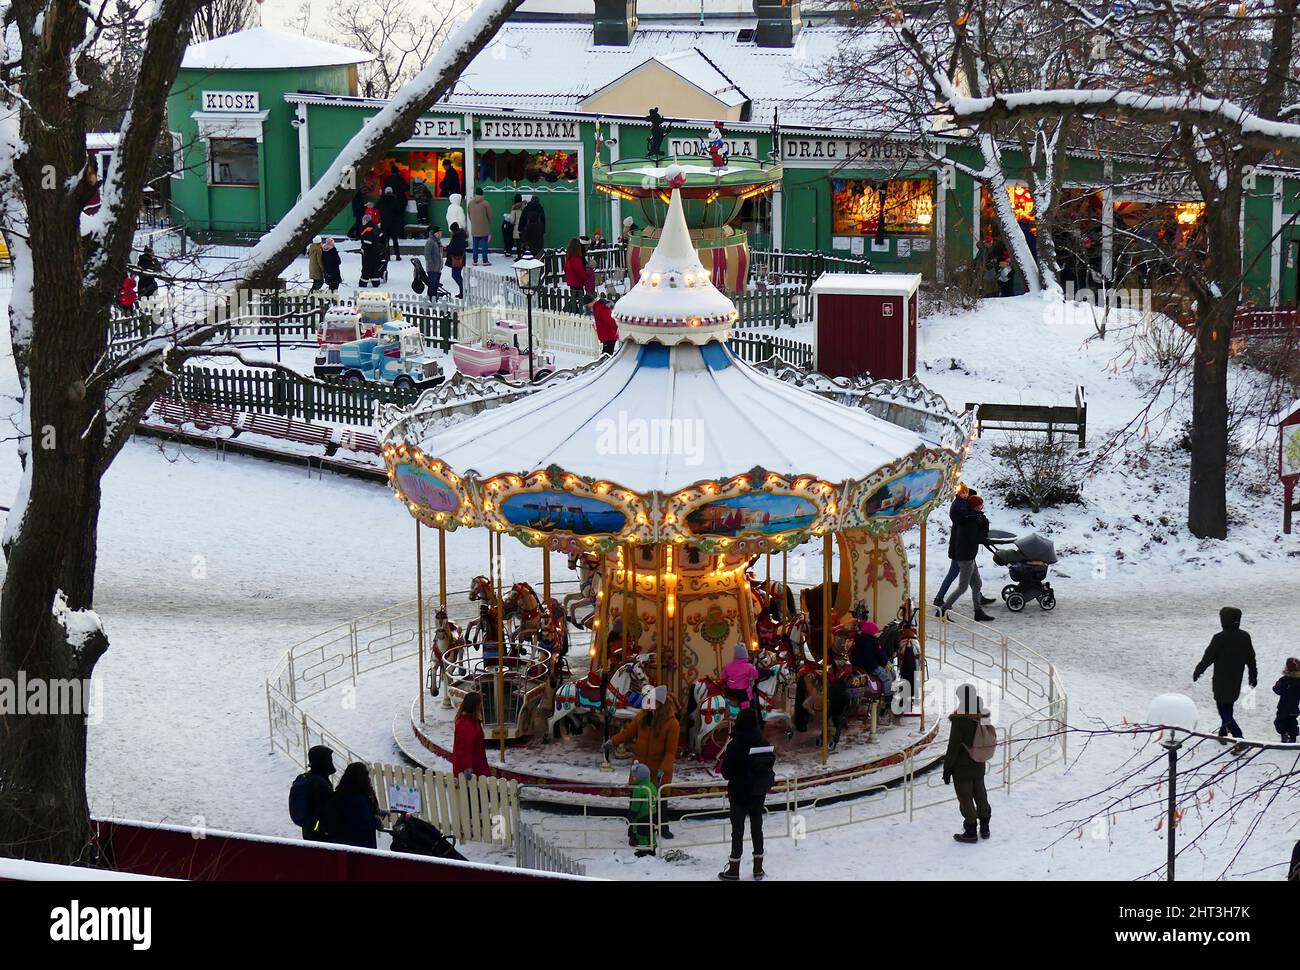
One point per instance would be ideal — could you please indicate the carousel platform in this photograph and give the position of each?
(568, 771)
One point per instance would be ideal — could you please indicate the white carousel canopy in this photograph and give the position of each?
(658, 418)
(675, 299)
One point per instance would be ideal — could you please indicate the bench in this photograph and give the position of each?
(1040, 418)
(176, 412)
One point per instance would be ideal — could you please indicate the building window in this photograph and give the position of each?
(442, 171)
(178, 155)
(856, 205)
(233, 161)
(505, 168)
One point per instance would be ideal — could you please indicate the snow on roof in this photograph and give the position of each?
(880, 284)
(739, 418)
(556, 66)
(261, 49)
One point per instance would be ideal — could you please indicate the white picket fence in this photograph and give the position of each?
(478, 810)
(564, 333)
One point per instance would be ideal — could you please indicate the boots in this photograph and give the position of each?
(938, 601)
(981, 616)
(988, 600)
(984, 828)
(758, 868)
(967, 834)
(732, 872)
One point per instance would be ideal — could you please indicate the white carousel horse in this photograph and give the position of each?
(445, 636)
(625, 692)
(588, 567)
(711, 708)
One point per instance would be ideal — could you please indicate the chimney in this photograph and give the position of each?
(615, 23)
(778, 23)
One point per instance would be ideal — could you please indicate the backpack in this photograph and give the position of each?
(985, 743)
(300, 801)
(762, 770)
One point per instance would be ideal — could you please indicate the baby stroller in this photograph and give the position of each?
(420, 281)
(414, 835)
(1026, 558)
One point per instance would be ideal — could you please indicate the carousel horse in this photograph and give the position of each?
(553, 636)
(588, 567)
(578, 701)
(483, 629)
(523, 609)
(445, 636)
(710, 708)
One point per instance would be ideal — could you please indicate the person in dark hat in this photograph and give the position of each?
(1287, 690)
(1231, 654)
(309, 798)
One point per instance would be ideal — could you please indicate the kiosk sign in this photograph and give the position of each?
(238, 102)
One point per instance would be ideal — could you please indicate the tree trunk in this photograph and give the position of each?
(1207, 501)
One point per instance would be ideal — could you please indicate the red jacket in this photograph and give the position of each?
(606, 327)
(468, 749)
(578, 273)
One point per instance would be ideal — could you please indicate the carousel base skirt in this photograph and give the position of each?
(568, 771)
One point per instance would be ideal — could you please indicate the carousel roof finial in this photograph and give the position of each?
(674, 300)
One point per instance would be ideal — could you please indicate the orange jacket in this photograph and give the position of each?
(656, 751)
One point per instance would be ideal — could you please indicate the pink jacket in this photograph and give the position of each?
(739, 674)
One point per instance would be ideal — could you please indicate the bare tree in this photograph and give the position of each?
(79, 401)
(401, 34)
(1231, 790)
(217, 18)
(1224, 85)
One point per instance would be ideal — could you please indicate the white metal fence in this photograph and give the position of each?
(534, 852)
(1003, 667)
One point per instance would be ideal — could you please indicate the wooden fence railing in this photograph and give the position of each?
(278, 393)
(481, 809)
(756, 347)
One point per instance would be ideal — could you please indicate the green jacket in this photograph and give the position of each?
(957, 762)
(643, 798)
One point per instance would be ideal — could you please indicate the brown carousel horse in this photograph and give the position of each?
(553, 636)
(523, 609)
(485, 627)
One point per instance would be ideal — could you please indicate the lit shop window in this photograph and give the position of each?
(233, 161)
(442, 171)
(502, 167)
(856, 204)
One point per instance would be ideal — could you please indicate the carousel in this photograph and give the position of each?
(688, 491)
(711, 199)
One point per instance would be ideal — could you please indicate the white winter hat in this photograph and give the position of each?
(315, 239)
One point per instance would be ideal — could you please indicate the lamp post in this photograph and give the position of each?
(1174, 712)
(528, 274)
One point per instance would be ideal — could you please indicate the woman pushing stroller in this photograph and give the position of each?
(970, 531)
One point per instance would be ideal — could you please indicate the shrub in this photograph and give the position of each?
(1038, 472)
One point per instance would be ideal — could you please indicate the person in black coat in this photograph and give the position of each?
(457, 247)
(392, 215)
(1294, 874)
(373, 265)
(358, 210)
(149, 267)
(1230, 653)
(532, 227)
(1287, 689)
(353, 812)
(331, 264)
(747, 764)
(320, 766)
(968, 535)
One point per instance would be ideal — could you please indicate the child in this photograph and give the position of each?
(739, 677)
(1287, 689)
(640, 810)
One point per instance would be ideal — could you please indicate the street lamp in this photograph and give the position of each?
(528, 274)
(1175, 712)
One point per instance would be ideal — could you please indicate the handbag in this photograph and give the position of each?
(457, 262)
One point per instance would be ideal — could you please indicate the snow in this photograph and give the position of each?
(79, 626)
(556, 66)
(881, 284)
(210, 569)
(262, 49)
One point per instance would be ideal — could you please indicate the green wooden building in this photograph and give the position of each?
(257, 117)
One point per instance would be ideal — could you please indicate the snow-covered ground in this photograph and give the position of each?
(210, 569)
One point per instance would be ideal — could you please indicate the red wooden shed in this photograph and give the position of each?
(1288, 460)
(865, 323)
